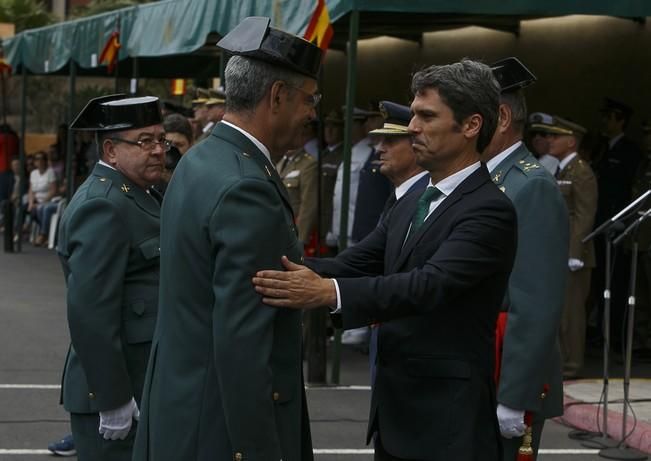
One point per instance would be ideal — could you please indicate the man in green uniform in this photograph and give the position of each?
(109, 250)
(578, 185)
(530, 360)
(225, 381)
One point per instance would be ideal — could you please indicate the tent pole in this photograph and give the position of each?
(133, 86)
(70, 144)
(23, 158)
(345, 192)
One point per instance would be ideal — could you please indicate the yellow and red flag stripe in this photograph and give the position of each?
(319, 30)
(110, 52)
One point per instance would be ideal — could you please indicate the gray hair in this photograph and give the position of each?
(466, 87)
(518, 105)
(248, 81)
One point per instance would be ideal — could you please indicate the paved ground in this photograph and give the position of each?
(33, 342)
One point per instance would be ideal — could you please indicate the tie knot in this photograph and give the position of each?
(430, 194)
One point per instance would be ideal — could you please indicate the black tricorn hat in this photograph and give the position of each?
(396, 119)
(254, 38)
(511, 74)
(116, 112)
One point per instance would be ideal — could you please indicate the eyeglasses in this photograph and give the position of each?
(148, 145)
(311, 99)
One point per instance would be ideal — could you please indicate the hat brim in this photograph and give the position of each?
(551, 129)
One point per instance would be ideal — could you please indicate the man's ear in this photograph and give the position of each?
(505, 117)
(471, 126)
(277, 93)
(108, 153)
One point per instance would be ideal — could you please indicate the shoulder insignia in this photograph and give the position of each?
(102, 179)
(266, 168)
(497, 176)
(503, 189)
(521, 162)
(531, 166)
(125, 188)
(245, 155)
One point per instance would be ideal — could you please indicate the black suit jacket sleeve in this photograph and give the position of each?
(480, 243)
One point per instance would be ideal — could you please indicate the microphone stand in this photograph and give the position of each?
(622, 451)
(608, 227)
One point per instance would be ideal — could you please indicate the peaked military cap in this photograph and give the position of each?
(254, 38)
(201, 96)
(358, 114)
(396, 119)
(538, 121)
(613, 105)
(561, 126)
(511, 74)
(334, 117)
(117, 112)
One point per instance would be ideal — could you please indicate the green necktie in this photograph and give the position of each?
(422, 208)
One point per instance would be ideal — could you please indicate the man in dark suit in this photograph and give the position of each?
(225, 378)
(434, 273)
(615, 169)
(529, 378)
(109, 250)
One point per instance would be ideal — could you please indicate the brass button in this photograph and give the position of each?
(543, 395)
(102, 179)
(91, 395)
(238, 457)
(275, 396)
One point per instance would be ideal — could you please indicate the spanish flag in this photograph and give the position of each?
(178, 87)
(110, 52)
(320, 30)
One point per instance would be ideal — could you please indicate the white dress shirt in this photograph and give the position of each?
(253, 139)
(563, 163)
(405, 186)
(495, 161)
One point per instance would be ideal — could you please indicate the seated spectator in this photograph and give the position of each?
(42, 189)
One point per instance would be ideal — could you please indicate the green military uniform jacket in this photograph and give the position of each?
(299, 175)
(109, 250)
(330, 160)
(536, 291)
(225, 379)
(578, 185)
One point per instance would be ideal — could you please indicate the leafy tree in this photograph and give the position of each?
(25, 14)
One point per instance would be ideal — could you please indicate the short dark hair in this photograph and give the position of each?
(467, 87)
(177, 123)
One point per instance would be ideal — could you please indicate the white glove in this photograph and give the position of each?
(575, 264)
(511, 421)
(116, 424)
(332, 240)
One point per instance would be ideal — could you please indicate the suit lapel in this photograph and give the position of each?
(236, 138)
(136, 193)
(468, 185)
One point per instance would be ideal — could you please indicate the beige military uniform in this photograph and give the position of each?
(299, 175)
(329, 166)
(578, 185)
